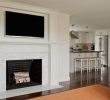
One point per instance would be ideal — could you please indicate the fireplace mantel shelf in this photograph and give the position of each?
(28, 43)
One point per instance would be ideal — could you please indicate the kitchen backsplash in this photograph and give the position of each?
(84, 46)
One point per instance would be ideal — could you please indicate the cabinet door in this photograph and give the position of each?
(82, 38)
(90, 37)
(98, 43)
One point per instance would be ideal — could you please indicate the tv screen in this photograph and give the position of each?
(19, 24)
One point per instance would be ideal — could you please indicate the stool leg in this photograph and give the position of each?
(81, 66)
(87, 71)
(81, 71)
(74, 68)
(89, 65)
(74, 65)
(96, 65)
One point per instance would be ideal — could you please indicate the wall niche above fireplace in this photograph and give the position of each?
(23, 73)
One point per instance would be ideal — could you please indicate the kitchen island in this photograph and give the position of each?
(82, 54)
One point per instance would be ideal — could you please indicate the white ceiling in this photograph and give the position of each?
(92, 13)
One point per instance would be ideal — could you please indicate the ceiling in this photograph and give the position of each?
(91, 13)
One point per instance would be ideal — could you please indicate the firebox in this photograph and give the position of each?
(23, 73)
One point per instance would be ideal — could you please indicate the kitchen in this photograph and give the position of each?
(88, 51)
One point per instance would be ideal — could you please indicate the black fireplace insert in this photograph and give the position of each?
(23, 73)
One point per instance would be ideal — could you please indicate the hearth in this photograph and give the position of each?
(23, 73)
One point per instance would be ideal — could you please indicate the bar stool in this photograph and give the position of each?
(92, 63)
(83, 64)
(98, 64)
(77, 64)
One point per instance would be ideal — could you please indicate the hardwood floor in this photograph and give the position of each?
(76, 80)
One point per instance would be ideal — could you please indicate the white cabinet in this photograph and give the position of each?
(97, 46)
(90, 37)
(86, 37)
(82, 38)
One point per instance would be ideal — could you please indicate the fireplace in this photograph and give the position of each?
(23, 73)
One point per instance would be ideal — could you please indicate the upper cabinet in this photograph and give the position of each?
(86, 37)
(90, 37)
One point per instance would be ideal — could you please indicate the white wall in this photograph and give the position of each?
(58, 39)
(59, 50)
(63, 38)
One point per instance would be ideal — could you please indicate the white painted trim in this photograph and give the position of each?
(5, 37)
(23, 6)
(28, 90)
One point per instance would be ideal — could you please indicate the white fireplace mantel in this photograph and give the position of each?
(20, 52)
(54, 49)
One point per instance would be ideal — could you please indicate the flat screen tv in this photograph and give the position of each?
(20, 24)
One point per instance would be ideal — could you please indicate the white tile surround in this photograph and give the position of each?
(17, 52)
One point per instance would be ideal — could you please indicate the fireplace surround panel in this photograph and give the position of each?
(9, 52)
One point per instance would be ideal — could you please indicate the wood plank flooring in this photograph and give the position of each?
(76, 80)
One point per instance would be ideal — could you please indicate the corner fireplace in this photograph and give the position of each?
(23, 73)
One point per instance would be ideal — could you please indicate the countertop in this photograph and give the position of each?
(90, 51)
